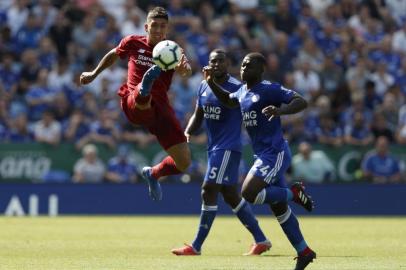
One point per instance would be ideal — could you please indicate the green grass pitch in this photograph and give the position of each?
(144, 242)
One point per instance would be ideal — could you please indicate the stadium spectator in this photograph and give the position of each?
(19, 130)
(328, 132)
(313, 166)
(379, 166)
(76, 127)
(380, 127)
(40, 97)
(401, 130)
(399, 39)
(89, 168)
(358, 133)
(47, 130)
(103, 131)
(307, 81)
(60, 75)
(120, 168)
(9, 75)
(17, 15)
(47, 55)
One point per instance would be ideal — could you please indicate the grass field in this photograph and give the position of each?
(144, 243)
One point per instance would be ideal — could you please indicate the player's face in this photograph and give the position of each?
(250, 69)
(218, 63)
(156, 29)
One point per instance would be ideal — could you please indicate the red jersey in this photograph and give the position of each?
(139, 54)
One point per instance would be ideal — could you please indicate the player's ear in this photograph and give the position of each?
(146, 27)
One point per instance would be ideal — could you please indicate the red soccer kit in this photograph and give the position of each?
(160, 119)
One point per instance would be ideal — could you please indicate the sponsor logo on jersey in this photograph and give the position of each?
(211, 112)
(250, 119)
(255, 98)
(144, 60)
(141, 50)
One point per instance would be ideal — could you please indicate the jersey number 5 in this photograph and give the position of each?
(213, 173)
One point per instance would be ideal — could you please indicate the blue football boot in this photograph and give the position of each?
(155, 191)
(149, 77)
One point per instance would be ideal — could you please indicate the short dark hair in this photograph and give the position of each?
(220, 51)
(157, 12)
(257, 57)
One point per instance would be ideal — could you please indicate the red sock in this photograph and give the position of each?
(166, 167)
(305, 251)
(142, 100)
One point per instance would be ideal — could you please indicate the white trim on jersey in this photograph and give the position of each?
(275, 170)
(233, 80)
(223, 166)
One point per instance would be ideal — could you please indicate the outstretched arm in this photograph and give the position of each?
(222, 94)
(107, 61)
(296, 104)
(194, 122)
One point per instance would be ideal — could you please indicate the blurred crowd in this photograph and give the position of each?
(347, 58)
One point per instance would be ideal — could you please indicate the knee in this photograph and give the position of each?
(209, 195)
(279, 208)
(248, 195)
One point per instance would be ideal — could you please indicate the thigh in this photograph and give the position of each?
(166, 126)
(133, 114)
(222, 167)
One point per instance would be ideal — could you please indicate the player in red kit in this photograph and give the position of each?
(144, 98)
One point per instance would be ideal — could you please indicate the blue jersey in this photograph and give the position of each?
(266, 136)
(386, 166)
(223, 125)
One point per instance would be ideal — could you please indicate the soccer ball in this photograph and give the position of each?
(166, 54)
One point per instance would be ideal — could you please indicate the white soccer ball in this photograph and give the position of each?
(166, 54)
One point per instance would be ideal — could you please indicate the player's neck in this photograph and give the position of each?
(252, 83)
(222, 79)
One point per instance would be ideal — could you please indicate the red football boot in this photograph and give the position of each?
(186, 250)
(259, 248)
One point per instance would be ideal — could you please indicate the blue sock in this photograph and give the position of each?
(273, 194)
(206, 220)
(247, 218)
(149, 77)
(290, 226)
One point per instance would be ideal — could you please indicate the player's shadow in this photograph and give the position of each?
(325, 256)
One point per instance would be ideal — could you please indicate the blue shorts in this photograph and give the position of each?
(222, 167)
(271, 168)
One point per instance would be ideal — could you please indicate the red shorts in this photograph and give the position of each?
(160, 119)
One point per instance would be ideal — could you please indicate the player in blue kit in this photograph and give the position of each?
(223, 127)
(261, 107)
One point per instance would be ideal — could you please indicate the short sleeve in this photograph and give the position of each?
(284, 95)
(124, 47)
(199, 94)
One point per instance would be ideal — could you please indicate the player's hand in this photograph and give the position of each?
(271, 111)
(183, 68)
(207, 73)
(87, 77)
